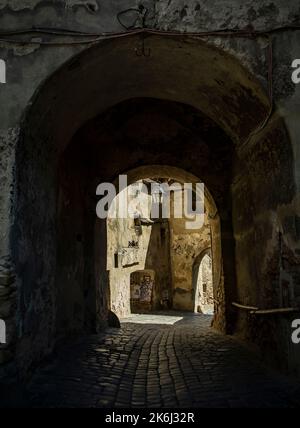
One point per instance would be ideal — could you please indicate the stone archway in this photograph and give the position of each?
(173, 261)
(203, 289)
(65, 152)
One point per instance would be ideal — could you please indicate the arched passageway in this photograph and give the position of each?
(203, 283)
(191, 107)
(168, 246)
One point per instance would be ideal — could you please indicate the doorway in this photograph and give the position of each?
(204, 294)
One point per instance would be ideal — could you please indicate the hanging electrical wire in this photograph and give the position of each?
(142, 14)
(6, 36)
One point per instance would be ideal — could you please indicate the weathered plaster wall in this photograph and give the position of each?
(153, 252)
(168, 248)
(186, 245)
(268, 247)
(220, 14)
(120, 233)
(8, 290)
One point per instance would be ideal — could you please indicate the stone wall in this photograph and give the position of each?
(151, 252)
(168, 248)
(186, 246)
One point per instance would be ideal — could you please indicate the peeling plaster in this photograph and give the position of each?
(8, 141)
(221, 14)
(26, 49)
(91, 5)
(16, 5)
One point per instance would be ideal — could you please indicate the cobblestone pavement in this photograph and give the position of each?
(153, 362)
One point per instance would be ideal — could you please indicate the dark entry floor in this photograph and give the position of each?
(148, 363)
